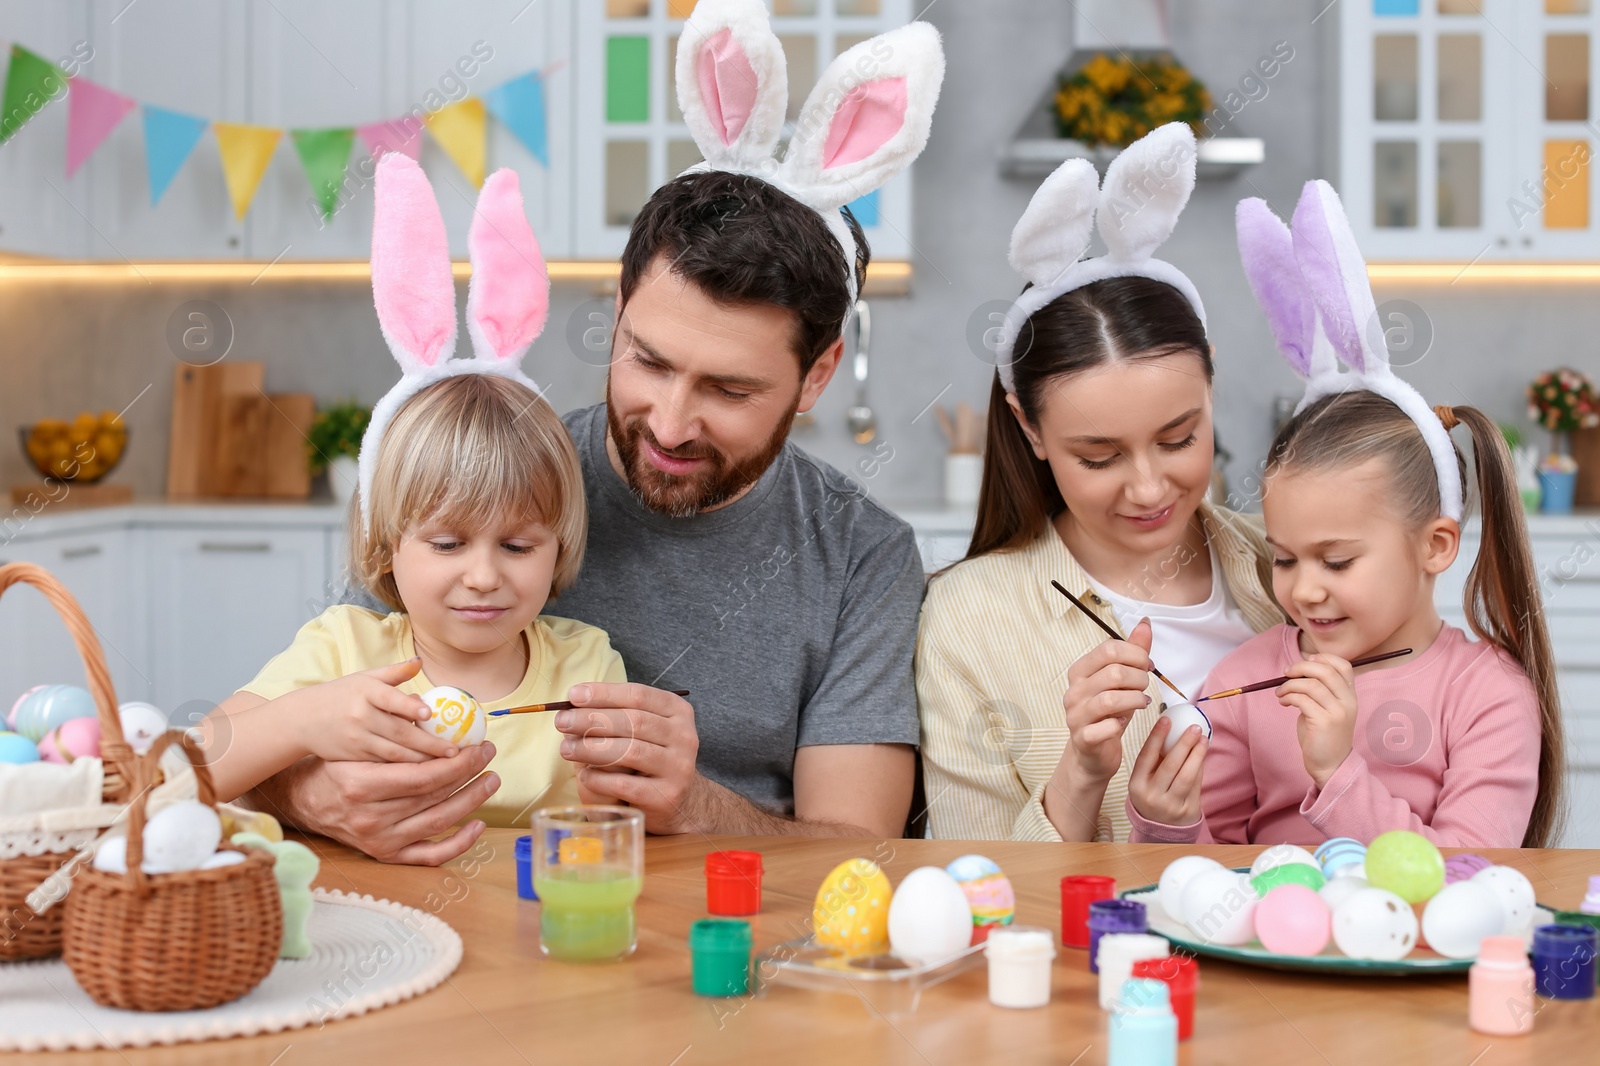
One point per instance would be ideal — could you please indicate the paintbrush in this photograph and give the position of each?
(558, 705)
(1275, 682)
(1114, 635)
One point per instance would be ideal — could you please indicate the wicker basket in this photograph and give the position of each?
(178, 941)
(26, 935)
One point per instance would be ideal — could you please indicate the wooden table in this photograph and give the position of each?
(507, 1004)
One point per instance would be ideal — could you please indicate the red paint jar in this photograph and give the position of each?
(733, 883)
(1181, 975)
(1077, 892)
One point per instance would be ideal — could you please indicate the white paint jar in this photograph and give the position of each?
(1020, 961)
(1118, 952)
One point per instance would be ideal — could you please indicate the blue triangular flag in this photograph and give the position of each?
(169, 137)
(519, 105)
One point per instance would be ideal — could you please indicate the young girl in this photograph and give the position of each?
(1460, 740)
(469, 516)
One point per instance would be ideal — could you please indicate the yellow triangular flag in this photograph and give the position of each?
(246, 151)
(460, 130)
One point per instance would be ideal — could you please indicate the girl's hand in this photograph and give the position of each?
(1105, 687)
(1323, 689)
(362, 717)
(1166, 788)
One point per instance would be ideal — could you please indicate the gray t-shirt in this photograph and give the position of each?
(790, 614)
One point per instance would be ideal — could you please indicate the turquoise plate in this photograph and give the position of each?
(1420, 963)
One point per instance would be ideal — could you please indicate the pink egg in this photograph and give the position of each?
(76, 738)
(1293, 920)
(11, 715)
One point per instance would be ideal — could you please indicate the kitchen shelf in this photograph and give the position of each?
(1038, 157)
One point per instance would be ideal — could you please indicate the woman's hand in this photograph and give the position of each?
(362, 717)
(1165, 788)
(1105, 687)
(1323, 689)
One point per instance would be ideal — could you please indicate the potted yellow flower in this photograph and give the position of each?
(1115, 100)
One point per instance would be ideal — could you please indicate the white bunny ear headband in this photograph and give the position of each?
(1146, 188)
(508, 298)
(1313, 286)
(864, 122)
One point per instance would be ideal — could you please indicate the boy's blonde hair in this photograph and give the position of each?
(478, 450)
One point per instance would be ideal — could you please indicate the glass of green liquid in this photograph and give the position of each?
(588, 868)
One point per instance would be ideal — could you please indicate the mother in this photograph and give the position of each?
(1096, 472)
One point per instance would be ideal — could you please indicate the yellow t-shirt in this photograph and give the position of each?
(562, 653)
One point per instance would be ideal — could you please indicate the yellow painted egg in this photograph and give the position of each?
(851, 915)
(456, 716)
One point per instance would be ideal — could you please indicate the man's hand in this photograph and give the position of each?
(388, 810)
(636, 745)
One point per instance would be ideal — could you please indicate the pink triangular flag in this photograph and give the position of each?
(403, 135)
(93, 111)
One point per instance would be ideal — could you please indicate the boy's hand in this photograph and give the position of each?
(1105, 688)
(362, 717)
(1166, 788)
(1323, 689)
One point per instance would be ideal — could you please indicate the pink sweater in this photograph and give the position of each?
(1446, 745)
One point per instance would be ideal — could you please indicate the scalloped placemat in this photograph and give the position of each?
(374, 952)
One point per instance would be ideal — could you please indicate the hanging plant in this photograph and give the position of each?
(1116, 100)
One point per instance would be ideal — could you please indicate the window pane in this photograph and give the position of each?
(627, 180)
(1460, 185)
(627, 79)
(1566, 180)
(674, 112)
(680, 9)
(857, 7)
(1394, 74)
(681, 155)
(627, 9)
(1460, 7)
(1394, 7)
(1566, 7)
(1566, 71)
(1394, 184)
(1460, 77)
(801, 54)
(803, 8)
(846, 41)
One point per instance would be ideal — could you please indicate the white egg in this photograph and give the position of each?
(929, 917)
(456, 716)
(112, 855)
(1282, 855)
(1457, 919)
(1182, 716)
(1176, 877)
(223, 858)
(142, 723)
(1374, 923)
(1219, 907)
(180, 837)
(1515, 893)
(1341, 888)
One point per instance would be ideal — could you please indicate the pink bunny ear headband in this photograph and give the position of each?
(864, 122)
(508, 297)
(1313, 286)
(1146, 188)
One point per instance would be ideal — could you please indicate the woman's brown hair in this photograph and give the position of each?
(1104, 322)
(1502, 596)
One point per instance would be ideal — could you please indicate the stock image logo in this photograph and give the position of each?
(1399, 733)
(200, 333)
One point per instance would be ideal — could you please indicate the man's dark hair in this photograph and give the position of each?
(741, 240)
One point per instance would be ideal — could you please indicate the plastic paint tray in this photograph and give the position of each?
(886, 983)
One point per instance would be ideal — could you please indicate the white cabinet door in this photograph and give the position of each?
(41, 212)
(221, 602)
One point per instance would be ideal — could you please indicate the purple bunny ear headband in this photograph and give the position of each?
(508, 298)
(865, 121)
(1146, 188)
(1313, 286)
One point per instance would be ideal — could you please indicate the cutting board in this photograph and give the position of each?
(231, 438)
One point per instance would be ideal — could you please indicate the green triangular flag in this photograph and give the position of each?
(324, 154)
(31, 82)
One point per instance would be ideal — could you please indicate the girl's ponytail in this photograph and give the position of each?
(1503, 607)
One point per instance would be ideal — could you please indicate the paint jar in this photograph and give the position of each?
(1564, 961)
(1112, 916)
(1181, 975)
(1021, 959)
(720, 952)
(524, 853)
(1500, 988)
(1144, 1031)
(1116, 956)
(1077, 892)
(733, 883)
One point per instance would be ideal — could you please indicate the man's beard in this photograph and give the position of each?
(681, 496)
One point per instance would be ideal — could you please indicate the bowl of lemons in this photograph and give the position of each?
(82, 451)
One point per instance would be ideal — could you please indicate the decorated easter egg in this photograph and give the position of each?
(142, 723)
(47, 706)
(1219, 907)
(1341, 857)
(1281, 855)
(988, 891)
(180, 837)
(1293, 920)
(16, 748)
(1290, 873)
(1374, 923)
(76, 738)
(1515, 893)
(456, 716)
(929, 918)
(851, 913)
(11, 715)
(1406, 864)
(1182, 716)
(1462, 867)
(1176, 877)
(1457, 919)
(1339, 889)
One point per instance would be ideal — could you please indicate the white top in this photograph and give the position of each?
(1186, 641)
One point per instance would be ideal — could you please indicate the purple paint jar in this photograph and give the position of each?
(1113, 916)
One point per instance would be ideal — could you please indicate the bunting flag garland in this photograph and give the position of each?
(94, 112)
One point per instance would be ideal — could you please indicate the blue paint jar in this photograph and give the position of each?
(524, 852)
(1564, 961)
(1144, 1031)
(1112, 916)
